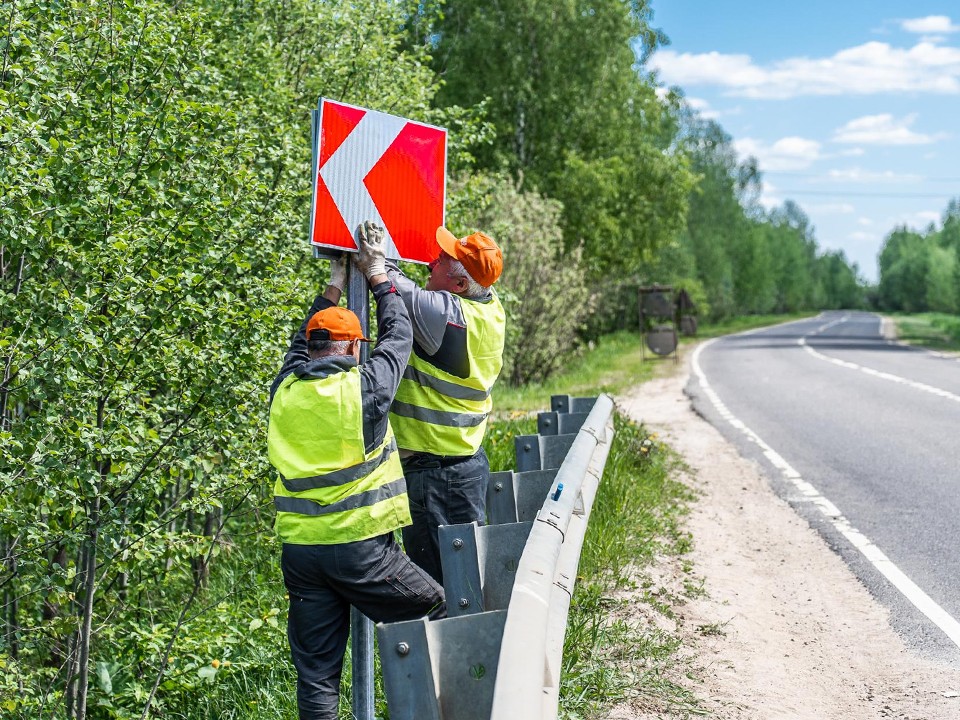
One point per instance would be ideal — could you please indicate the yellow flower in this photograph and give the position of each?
(216, 664)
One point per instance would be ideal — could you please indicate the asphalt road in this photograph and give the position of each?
(862, 437)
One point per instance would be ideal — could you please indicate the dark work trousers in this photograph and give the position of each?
(442, 491)
(323, 581)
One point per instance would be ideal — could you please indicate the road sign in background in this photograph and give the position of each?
(368, 165)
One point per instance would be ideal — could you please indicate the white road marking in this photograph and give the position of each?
(909, 589)
(870, 371)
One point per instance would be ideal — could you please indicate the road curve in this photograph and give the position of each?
(860, 435)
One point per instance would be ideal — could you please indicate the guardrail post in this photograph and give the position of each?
(517, 496)
(570, 404)
(554, 423)
(479, 565)
(541, 452)
(441, 669)
(501, 498)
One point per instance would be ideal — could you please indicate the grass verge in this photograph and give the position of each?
(937, 331)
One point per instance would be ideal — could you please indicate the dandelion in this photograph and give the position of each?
(215, 663)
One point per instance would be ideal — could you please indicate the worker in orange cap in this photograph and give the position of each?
(441, 408)
(341, 494)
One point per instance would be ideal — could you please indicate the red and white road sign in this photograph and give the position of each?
(379, 167)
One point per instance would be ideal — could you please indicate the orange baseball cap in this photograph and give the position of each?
(335, 323)
(479, 254)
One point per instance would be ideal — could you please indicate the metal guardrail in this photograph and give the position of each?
(508, 583)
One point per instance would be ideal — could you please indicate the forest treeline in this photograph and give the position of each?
(154, 196)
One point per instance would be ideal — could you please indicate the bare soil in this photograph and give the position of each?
(784, 629)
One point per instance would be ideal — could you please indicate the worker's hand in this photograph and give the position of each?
(338, 272)
(373, 244)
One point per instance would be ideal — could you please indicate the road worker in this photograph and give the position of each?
(440, 412)
(341, 492)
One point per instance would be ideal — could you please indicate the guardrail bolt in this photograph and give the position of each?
(457, 543)
(527, 447)
(403, 649)
(464, 603)
(498, 486)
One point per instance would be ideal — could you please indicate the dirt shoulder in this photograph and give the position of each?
(784, 629)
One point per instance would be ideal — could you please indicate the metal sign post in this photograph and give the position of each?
(361, 627)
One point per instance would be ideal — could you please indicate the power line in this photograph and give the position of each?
(821, 176)
(845, 193)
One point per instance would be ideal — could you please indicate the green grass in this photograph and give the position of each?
(937, 331)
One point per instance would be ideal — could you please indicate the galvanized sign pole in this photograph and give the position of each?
(361, 627)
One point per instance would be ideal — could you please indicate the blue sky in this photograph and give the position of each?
(851, 108)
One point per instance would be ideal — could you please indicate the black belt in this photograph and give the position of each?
(426, 461)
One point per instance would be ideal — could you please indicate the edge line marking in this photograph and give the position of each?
(909, 589)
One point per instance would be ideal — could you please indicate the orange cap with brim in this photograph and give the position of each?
(478, 253)
(335, 323)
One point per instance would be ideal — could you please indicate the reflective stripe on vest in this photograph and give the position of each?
(443, 414)
(329, 490)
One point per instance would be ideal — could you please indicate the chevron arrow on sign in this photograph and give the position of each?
(374, 166)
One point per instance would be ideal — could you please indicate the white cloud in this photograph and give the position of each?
(882, 129)
(789, 153)
(833, 208)
(865, 221)
(859, 175)
(861, 236)
(930, 25)
(873, 67)
(703, 108)
(852, 152)
(922, 218)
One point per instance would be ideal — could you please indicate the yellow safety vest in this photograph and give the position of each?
(329, 490)
(443, 414)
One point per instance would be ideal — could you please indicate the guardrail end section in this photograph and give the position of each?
(409, 674)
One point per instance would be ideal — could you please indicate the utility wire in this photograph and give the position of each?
(847, 193)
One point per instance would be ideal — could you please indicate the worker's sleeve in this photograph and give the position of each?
(380, 375)
(298, 354)
(429, 311)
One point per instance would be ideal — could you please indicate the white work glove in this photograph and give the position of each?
(373, 244)
(338, 272)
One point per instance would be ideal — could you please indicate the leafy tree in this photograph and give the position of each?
(155, 186)
(574, 120)
(904, 264)
(841, 285)
(940, 289)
